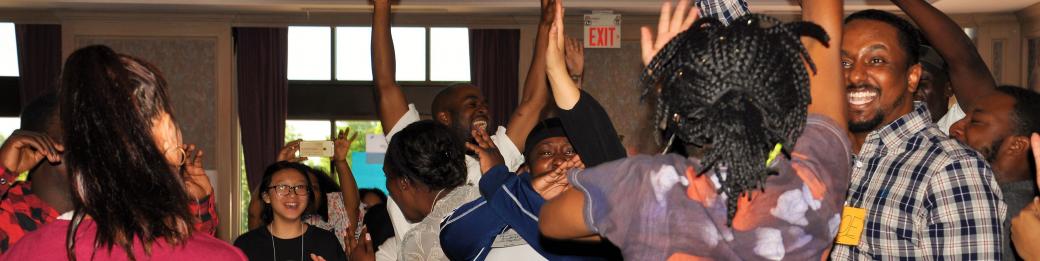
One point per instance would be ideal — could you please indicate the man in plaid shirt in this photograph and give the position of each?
(925, 195)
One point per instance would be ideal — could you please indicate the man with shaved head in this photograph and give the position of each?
(462, 107)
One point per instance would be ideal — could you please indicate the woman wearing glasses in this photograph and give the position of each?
(285, 190)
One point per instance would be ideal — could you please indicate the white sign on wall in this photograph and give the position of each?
(602, 30)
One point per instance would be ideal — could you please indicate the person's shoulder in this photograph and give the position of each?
(50, 237)
(320, 232)
(251, 236)
(949, 151)
(214, 249)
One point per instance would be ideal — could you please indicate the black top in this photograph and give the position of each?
(377, 219)
(257, 245)
(591, 132)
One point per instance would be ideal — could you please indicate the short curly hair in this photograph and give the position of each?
(428, 153)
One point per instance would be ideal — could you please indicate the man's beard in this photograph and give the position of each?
(867, 126)
(990, 152)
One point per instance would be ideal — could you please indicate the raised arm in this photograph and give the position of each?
(828, 83)
(970, 77)
(347, 184)
(536, 93)
(390, 99)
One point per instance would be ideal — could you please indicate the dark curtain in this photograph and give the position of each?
(261, 56)
(494, 56)
(39, 59)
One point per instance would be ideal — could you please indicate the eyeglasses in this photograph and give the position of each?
(283, 190)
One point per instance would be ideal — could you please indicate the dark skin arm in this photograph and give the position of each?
(347, 184)
(969, 76)
(827, 85)
(389, 97)
(536, 89)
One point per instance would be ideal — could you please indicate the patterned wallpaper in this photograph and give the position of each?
(189, 65)
(612, 76)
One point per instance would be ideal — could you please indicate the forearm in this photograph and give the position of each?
(535, 95)
(827, 84)
(970, 77)
(205, 212)
(389, 97)
(348, 186)
(562, 217)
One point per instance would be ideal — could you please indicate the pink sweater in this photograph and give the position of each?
(48, 243)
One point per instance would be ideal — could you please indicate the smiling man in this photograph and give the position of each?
(915, 193)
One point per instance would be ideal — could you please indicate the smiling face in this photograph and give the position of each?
(987, 126)
(880, 82)
(288, 207)
(548, 154)
(466, 111)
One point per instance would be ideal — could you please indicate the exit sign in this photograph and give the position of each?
(602, 30)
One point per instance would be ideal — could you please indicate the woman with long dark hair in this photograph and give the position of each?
(286, 192)
(123, 154)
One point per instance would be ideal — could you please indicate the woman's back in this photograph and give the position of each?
(48, 243)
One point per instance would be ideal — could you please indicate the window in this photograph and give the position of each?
(8, 80)
(366, 167)
(8, 51)
(451, 60)
(435, 54)
(7, 126)
(309, 49)
(310, 130)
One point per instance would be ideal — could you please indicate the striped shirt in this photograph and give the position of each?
(926, 196)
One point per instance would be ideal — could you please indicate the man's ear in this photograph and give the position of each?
(1017, 146)
(913, 77)
(443, 118)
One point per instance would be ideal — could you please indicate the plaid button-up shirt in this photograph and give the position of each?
(927, 196)
(724, 10)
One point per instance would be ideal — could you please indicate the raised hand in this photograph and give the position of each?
(24, 149)
(363, 250)
(195, 180)
(575, 56)
(486, 150)
(669, 25)
(289, 152)
(1036, 155)
(555, 182)
(554, 54)
(342, 144)
(548, 11)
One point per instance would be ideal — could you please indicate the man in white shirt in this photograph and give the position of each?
(462, 107)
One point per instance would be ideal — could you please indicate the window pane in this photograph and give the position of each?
(354, 53)
(367, 167)
(8, 50)
(309, 130)
(310, 53)
(7, 126)
(449, 54)
(410, 51)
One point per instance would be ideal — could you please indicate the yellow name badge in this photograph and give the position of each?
(851, 227)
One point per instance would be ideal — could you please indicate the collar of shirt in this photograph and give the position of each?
(895, 134)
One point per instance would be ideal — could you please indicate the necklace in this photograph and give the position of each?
(274, 249)
(435, 200)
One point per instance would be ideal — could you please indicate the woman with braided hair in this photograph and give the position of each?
(762, 102)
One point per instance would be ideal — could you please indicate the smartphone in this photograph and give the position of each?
(316, 148)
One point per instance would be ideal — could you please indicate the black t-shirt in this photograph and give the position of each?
(259, 245)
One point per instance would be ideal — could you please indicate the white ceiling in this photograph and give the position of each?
(467, 6)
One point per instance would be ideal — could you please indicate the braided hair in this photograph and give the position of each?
(737, 90)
